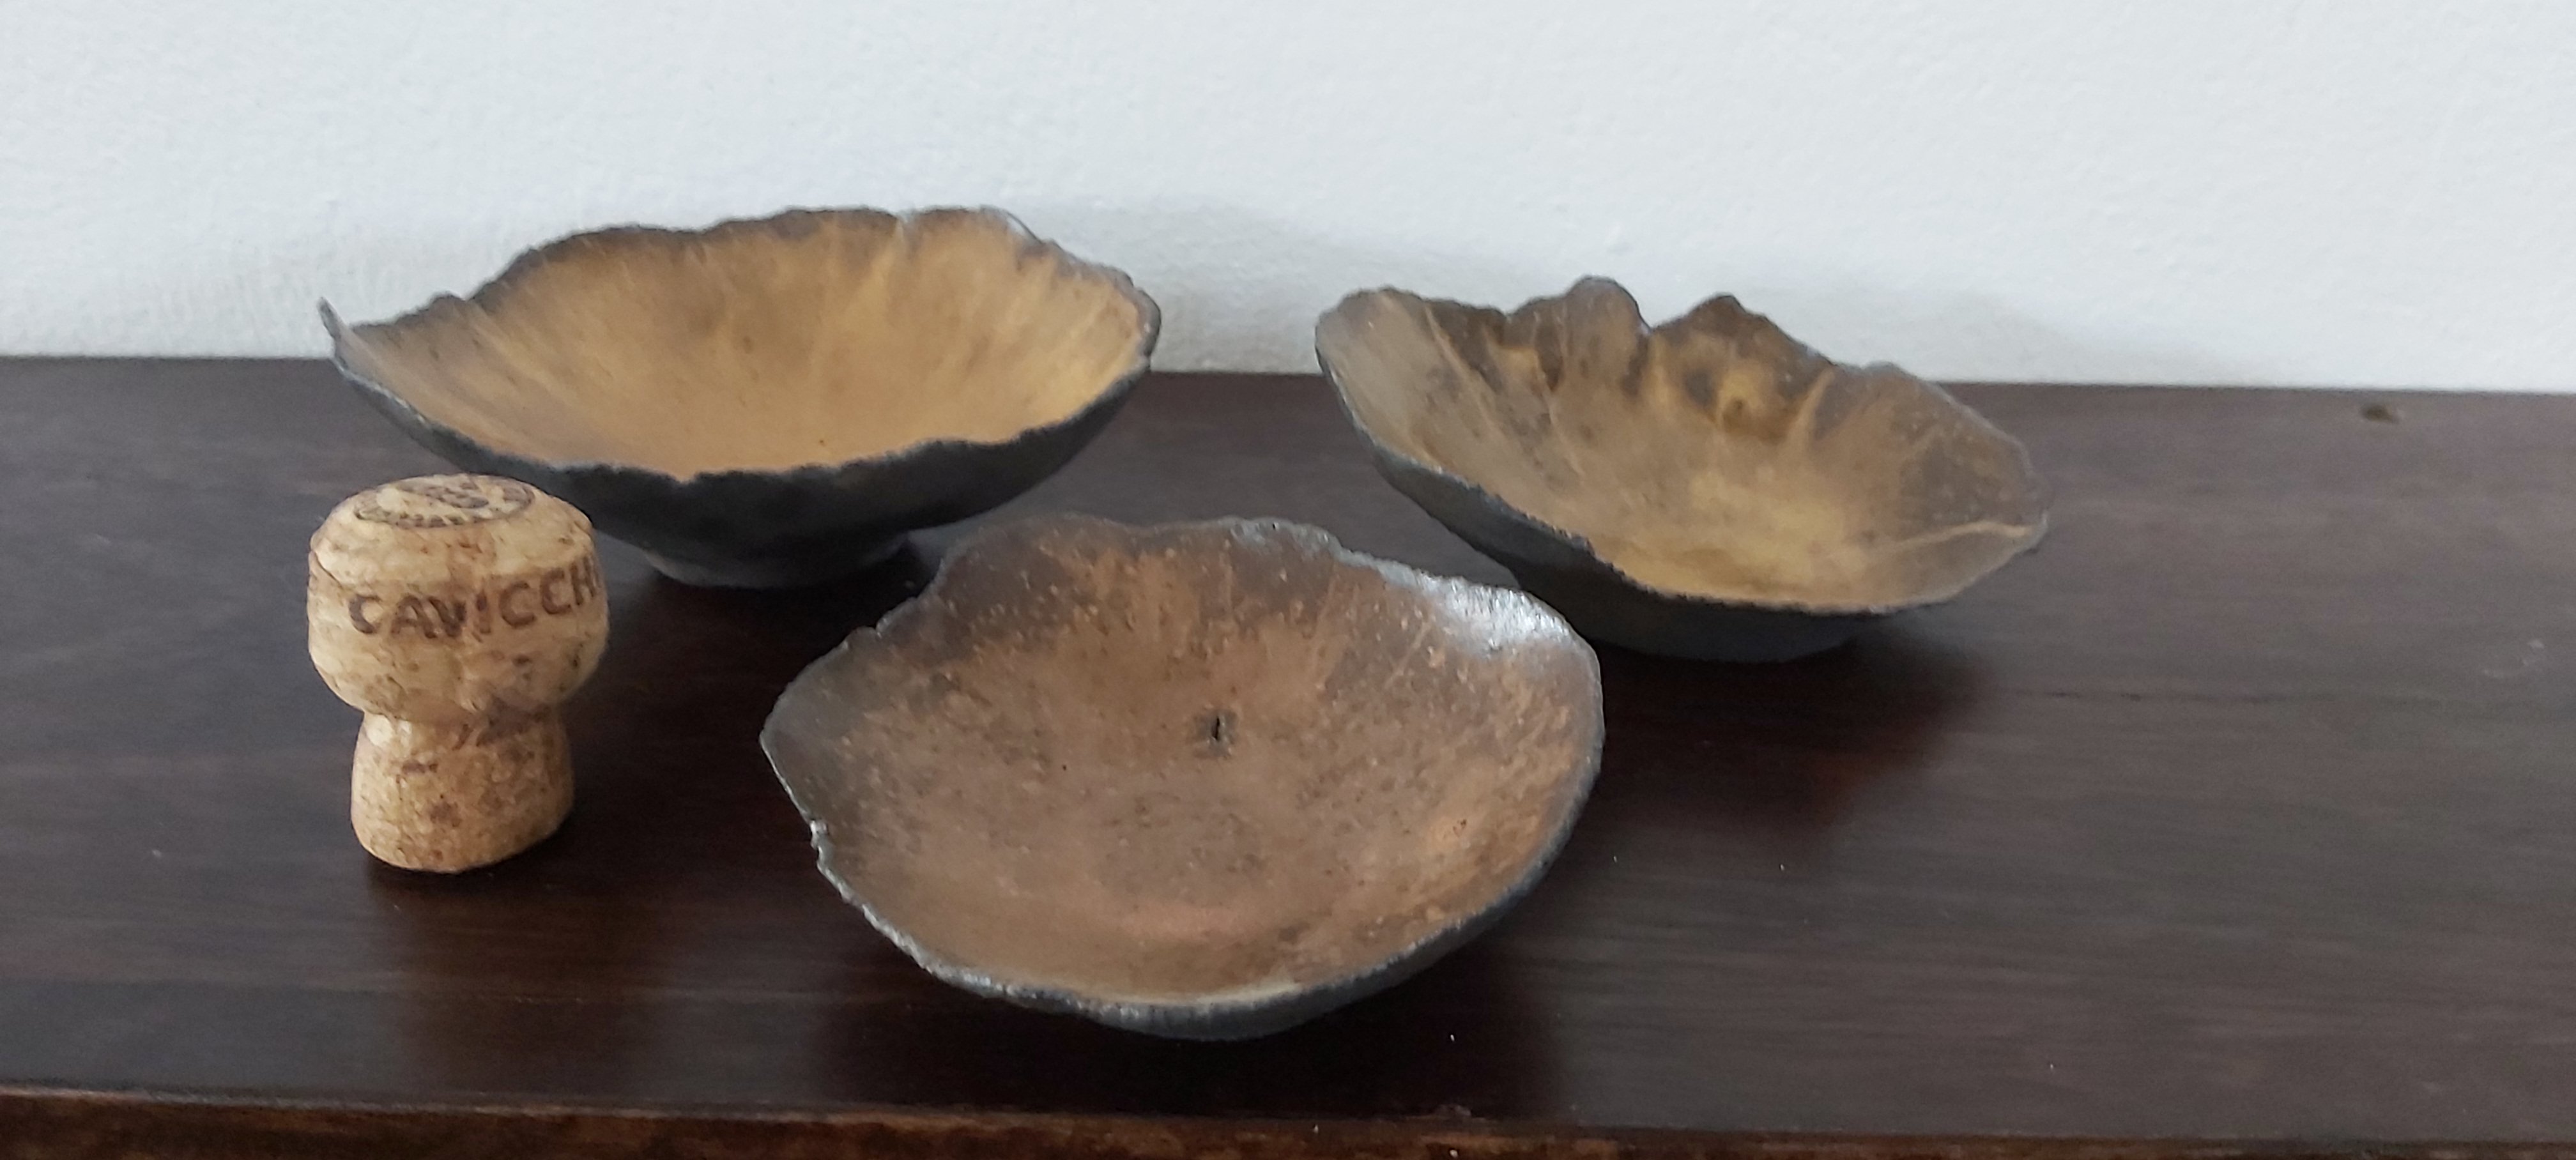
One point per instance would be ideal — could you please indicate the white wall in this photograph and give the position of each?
(2372, 192)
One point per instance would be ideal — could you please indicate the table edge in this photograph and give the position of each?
(39, 1121)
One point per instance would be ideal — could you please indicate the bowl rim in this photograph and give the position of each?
(1583, 544)
(499, 287)
(1177, 1016)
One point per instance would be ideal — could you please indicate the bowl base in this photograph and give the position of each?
(1610, 611)
(1759, 639)
(796, 570)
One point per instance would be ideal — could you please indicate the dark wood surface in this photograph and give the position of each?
(2243, 810)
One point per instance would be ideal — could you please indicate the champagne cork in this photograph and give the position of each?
(457, 612)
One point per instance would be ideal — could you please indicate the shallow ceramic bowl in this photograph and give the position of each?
(1710, 488)
(1201, 780)
(772, 402)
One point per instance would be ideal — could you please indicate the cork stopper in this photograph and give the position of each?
(456, 611)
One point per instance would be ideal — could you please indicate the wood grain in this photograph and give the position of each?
(2241, 811)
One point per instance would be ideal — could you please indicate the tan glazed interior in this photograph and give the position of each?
(1199, 769)
(1713, 456)
(809, 338)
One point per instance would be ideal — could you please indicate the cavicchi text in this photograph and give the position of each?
(515, 602)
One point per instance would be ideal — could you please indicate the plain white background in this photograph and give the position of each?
(2367, 192)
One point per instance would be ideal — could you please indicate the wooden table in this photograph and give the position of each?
(2242, 817)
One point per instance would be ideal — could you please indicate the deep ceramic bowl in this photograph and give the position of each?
(1201, 780)
(1710, 488)
(773, 402)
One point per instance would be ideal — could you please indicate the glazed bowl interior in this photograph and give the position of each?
(1189, 769)
(812, 337)
(1712, 457)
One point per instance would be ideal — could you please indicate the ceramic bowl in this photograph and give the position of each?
(1710, 488)
(1200, 780)
(772, 402)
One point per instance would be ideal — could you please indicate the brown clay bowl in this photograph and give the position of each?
(1708, 488)
(1200, 780)
(772, 402)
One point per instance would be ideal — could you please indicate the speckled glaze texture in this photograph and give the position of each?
(1708, 489)
(773, 525)
(1203, 780)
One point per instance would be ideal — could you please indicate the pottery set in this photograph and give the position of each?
(1205, 780)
